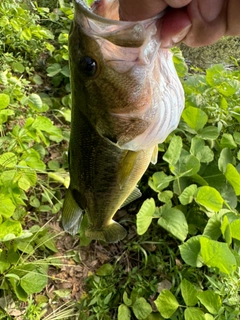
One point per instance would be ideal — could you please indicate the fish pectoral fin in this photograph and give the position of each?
(126, 166)
(111, 233)
(132, 197)
(154, 155)
(72, 214)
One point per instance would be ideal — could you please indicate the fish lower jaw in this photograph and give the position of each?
(111, 233)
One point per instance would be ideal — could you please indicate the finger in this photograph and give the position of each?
(174, 26)
(208, 22)
(141, 9)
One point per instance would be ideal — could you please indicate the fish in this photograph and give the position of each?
(126, 99)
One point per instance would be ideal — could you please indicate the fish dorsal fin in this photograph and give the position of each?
(132, 197)
(154, 155)
(72, 214)
(126, 166)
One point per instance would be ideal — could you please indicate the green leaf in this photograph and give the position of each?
(225, 158)
(18, 67)
(26, 178)
(166, 303)
(187, 195)
(188, 165)
(210, 198)
(141, 308)
(208, 316)
(174, 221)
(179, 62)
(124, 312)
(174, 150)
(194, 314)
(236, 136)
(226, 231)
(34, 281)
(217, 254)
(235, 229)
(18, 290)
(195, 118)
(165, 196)
(145, 215)
(159, 181)
(227, 141)
(233, 178)
(190, 251)
(126, 300)
(105, 270)
(35, 102)
(208, 133)
(213, 228)
(211, 301)
(65, 71)
(37, 79)
(54, 69)
(10, 229)
(4, 100)
(202, 152)
(189, 293)
(4, 263)
(8, 160)
(7, 206)
(26, 34)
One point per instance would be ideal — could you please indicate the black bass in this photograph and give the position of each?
(126, 98)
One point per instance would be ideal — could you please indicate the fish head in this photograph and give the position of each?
(116, 81)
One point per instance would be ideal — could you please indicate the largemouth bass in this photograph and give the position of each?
(126, 98)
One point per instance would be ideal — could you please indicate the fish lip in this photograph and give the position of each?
(83, 8)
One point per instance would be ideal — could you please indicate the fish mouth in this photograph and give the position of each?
(81, 5)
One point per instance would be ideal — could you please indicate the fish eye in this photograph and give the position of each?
(88, 66)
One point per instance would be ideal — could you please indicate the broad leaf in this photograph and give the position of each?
(174, 150)
(166, 303)
(233, 178)
(211, 301)
(174, 221)
(210, 198)
(141, 308)
(145, 215)
(189, 293)
(124, 312)
(190, 251)
(187, 195)
(194, 314)
(195, 118)
(4, 100)
(217, 254)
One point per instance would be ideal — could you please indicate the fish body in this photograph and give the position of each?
(126, 98)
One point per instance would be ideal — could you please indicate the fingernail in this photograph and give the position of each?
(178, 37)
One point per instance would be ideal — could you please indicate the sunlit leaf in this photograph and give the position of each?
(194, 314)
(166, 303)
(217, 254)
(209, 198)
(195, 118)
(189, 293)
(124, 312)
(233, 178)
(145, 215)
(211, 301)
(4, 100)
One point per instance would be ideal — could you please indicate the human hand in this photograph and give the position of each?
(194, 22)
